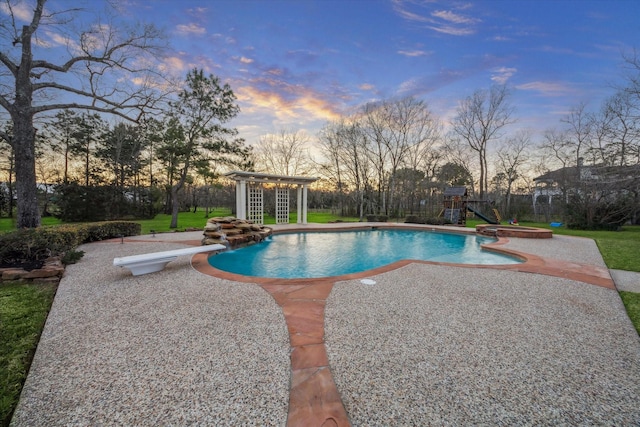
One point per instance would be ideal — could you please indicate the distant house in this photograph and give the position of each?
(597, 179)
(554, 184)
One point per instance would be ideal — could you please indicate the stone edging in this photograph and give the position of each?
(50, 272)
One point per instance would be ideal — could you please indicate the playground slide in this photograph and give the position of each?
(481, 216)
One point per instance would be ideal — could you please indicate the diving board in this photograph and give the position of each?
(156, 261)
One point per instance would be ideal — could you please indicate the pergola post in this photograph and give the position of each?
(304, 203)
(299, 221)
(241, 199)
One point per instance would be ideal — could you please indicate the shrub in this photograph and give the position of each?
(604, 213)
(414, 219)
(107, 230)
(377, 218)
(72, 257)
(43, 242)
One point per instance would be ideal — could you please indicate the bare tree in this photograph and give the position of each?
(284, 153)
(332, 147)
(632, 63)
(555, 144)
(395, 129)
(480, 119)
(604, 124)
(618, 124)
(511, 157)
(107, 70)
(580, 125)
(427, 154)
(631, 92)
(344, 144)
(374, 124)
(457, 152)
(426, 157)
(555, 153)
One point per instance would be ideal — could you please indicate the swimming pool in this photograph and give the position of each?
(323, 254)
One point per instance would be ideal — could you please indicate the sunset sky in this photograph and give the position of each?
(297, 64)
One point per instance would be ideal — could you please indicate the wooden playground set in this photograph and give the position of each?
(456, 207)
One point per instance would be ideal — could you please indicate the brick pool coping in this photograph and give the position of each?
(498, 230)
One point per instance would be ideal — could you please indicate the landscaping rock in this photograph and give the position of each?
(233, 232)
(13, 273)
(44, 272)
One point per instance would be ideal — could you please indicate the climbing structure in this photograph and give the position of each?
(455, 205)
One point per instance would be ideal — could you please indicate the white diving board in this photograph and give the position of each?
(156, 261)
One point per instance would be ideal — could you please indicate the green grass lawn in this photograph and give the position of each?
(198, 219)
(189, 220)
(631, 302)
(186, 220)
(23, 311)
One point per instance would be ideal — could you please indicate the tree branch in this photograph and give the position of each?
(5, 136)
(5, 104)
(35, 22)
(123, 104)
(9, 64)
(133, 42)
(115, 110)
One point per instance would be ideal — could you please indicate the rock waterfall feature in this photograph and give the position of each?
(233, 232)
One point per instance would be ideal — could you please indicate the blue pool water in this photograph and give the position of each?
(323, 254)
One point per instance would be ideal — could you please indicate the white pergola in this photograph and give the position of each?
(249, 195)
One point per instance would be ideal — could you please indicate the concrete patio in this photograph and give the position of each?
(543, 342)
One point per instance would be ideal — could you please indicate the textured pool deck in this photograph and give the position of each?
(543, 342)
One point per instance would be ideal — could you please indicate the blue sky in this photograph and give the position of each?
(296, 64)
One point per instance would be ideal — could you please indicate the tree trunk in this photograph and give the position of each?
(24, 137)
(12, 166)
(482, 172)
(174, 206)
(86, 164)
(175, 189)
(486, 172)
(26, 188)
(65, 179)
(392, 190)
